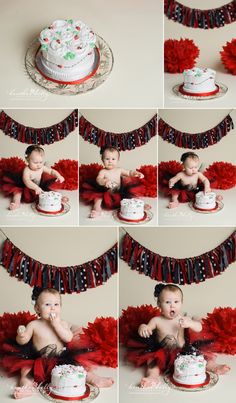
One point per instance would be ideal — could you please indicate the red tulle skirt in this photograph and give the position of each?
(12, 183)
(168, 170)
(97, 345)
(130, 187)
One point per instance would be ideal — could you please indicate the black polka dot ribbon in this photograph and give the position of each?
(39, 136)
(67, 279)
(195, 140)
(178, 271)
(120, 141)
(196, 18)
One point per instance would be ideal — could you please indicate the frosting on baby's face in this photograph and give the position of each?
(191, 166)
(48, 305)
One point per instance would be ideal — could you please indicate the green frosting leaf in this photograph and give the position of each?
(69, 56)
(44, 47)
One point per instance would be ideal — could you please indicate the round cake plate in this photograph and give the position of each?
(93, 393)
(222, 91)
(212, 382)
(66, 209)
(219, 207)
(104, 69)
(148, 217)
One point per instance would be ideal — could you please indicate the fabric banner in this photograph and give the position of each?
(121, 141)
(195, 140)
(196, 18)
(64, 279)
(40, 136)
(178, 271)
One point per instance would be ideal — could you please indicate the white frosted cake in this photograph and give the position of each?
(199, 81)
(68, 381)
(205, 201)
(132, 209)
(190, 369)
(67, 51)
(50, 202)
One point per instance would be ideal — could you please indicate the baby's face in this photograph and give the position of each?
(191, 166)
(35, 161)
(110, 159)
(170, 303)
(48, 305)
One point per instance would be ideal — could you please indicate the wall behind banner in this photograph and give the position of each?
(120, 121)
(197, 121)
(39, 118)
(62, 247)
(209, 41)
(179, 242)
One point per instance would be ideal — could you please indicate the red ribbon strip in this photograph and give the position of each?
(199, 94)
(182, 385)
(125, 219)
(87, 393)
(50, 212)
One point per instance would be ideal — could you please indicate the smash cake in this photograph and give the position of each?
(205, 201)
(190, 370)
(199, 82)
(132, 210)
(68, 52)
(50, 202)
(68, 381)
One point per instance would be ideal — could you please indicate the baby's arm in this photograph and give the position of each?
(187, 322)
(205, 181)
(146, 330)
(62, 329)
(101, 179)
(54, 173)
(137, 174)
(29, 183)
(24, 334)
(175, 179)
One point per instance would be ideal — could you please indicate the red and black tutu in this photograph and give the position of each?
(130, 187)
(168, 170)
(97, 345)
(212, 339)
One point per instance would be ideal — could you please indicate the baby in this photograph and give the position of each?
(110, 177)
(189, 177)
(169, 331)
(32, 174)
(47, 333)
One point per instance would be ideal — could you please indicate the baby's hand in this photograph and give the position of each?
(171, 183)
(207, 189)
(138, 174)
(60, 179)
(144, 331)
(109, 184)
(21, 330)
(38, 191)
(185, 321)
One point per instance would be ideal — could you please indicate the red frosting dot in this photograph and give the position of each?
(78, 28)
(45, 39)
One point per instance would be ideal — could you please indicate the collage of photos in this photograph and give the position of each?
(117, 201)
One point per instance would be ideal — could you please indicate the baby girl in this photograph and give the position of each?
(49, 335)
(109, 188)
(32, 174)
(188, 178)
(168, 330)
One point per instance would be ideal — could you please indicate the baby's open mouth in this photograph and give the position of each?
(172, 312)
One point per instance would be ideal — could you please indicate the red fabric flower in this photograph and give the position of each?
(69, 170)
(149, 180)
(87, 172)
(132, 318)
(222, 175)
(228, 56)
(179, 55)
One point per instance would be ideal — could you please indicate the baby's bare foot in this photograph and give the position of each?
(100, 381)
(13, 206)
(149, 382)
(65, 199)
(94, 214)
(147, 206)
(24, 391)
(221, 369)
(173, 204)
(219, 197)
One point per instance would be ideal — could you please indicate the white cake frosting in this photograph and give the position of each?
(67, 50)
(205, 201)
(50, 202)
(68, 381)
(190, 369)
(199, 80)
(132, 209)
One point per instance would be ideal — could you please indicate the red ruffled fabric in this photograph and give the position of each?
(13, 164)
(69, 170)
(88, 172)
(149, 180)
(222, 175)
(228, 56)
(179, 55)
(9, 323)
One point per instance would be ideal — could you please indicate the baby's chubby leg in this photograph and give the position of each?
(97, 208)
(27, 386)
(219, 369)
(152, 377)
(174, 201)
(100, 381)
(15, 203)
